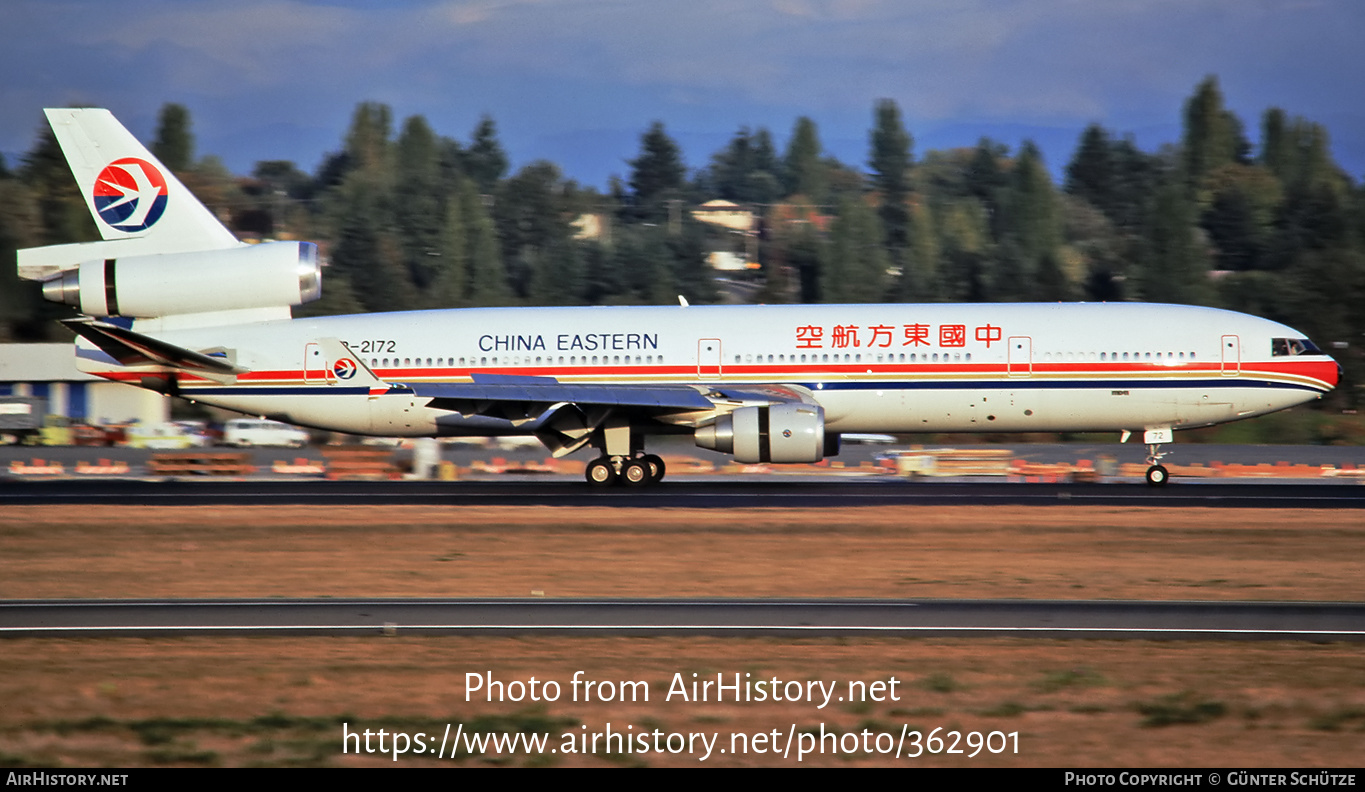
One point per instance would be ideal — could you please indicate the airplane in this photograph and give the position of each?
(171, 301)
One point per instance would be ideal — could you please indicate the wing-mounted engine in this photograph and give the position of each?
(790, 432)
(269, 275)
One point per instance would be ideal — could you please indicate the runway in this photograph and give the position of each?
(710, 493)
(1299, 621)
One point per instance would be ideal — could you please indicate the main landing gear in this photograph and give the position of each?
(623, 459)
(632, 471)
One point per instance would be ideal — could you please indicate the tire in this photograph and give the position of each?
(1157, 476)
(600, 473)
(636, 473)
(656, 467)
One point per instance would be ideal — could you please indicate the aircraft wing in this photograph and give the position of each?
(564, 415)
(494, 394)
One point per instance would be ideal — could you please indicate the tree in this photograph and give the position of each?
(531, 220)
(1213, 136)
(487, 278)
(1030, 218)
(747, 170)
(856, 269)
(804, 171)
(367, 141)
(1090, 174)
(1277, 149)
(485, 161)
(890, 161)
(1112, 175)
(657, 174)
(21, 305)
(1174, 267)
(62, 213)
(419, 201)
(174, 145)
(449, 289)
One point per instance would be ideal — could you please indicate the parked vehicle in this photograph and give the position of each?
(247, 432)
(162, 436)
(21, 418)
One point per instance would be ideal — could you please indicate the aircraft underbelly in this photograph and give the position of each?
(1033, 409)
(388, 415)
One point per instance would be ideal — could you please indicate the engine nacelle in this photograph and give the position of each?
(272, 274)
(776, 433)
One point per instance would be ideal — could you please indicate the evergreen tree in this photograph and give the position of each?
(856, 271)
(803, 169)
(1174, 267)
(1030, 217)
(920, 279)
(364, 251)
(62, 214)
(367, 141)
(807, 256)
(174, 145)
(487, 282)
(1277, 149)
(451, 285)
(485, 161)
(746, 171)
(20, 301)
(890, 161)
(1091, 173)
(1213, 136)
(657, 174)
(419, 202)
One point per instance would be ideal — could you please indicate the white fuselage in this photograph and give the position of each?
(873, 368)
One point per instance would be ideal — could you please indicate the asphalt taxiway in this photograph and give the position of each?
(684, 492)
(1304, 621)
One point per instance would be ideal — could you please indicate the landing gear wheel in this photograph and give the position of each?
(600, 473)
(656, 467)
(636, 473)
(1157, 476)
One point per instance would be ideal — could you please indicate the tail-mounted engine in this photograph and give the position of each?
(272, 274)
(775, 433)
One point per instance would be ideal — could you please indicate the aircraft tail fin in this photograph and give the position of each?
(128, 191)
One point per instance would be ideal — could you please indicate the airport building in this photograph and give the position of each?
(49, 371)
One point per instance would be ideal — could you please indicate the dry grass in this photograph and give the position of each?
(1026, 552)
(277, 701)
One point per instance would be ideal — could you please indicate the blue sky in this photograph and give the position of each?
(578, 81)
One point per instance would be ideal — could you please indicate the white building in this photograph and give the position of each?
(49, 371)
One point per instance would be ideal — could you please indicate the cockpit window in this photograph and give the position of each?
(1287, 347)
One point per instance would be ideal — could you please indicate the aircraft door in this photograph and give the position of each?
(1020, 356)
(1232, 356)
(317, 368)
(708, 358)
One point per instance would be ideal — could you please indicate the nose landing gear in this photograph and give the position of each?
(1157, 474)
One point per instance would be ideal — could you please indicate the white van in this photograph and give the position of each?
(244, 432)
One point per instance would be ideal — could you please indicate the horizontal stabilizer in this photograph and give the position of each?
(135, 349)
